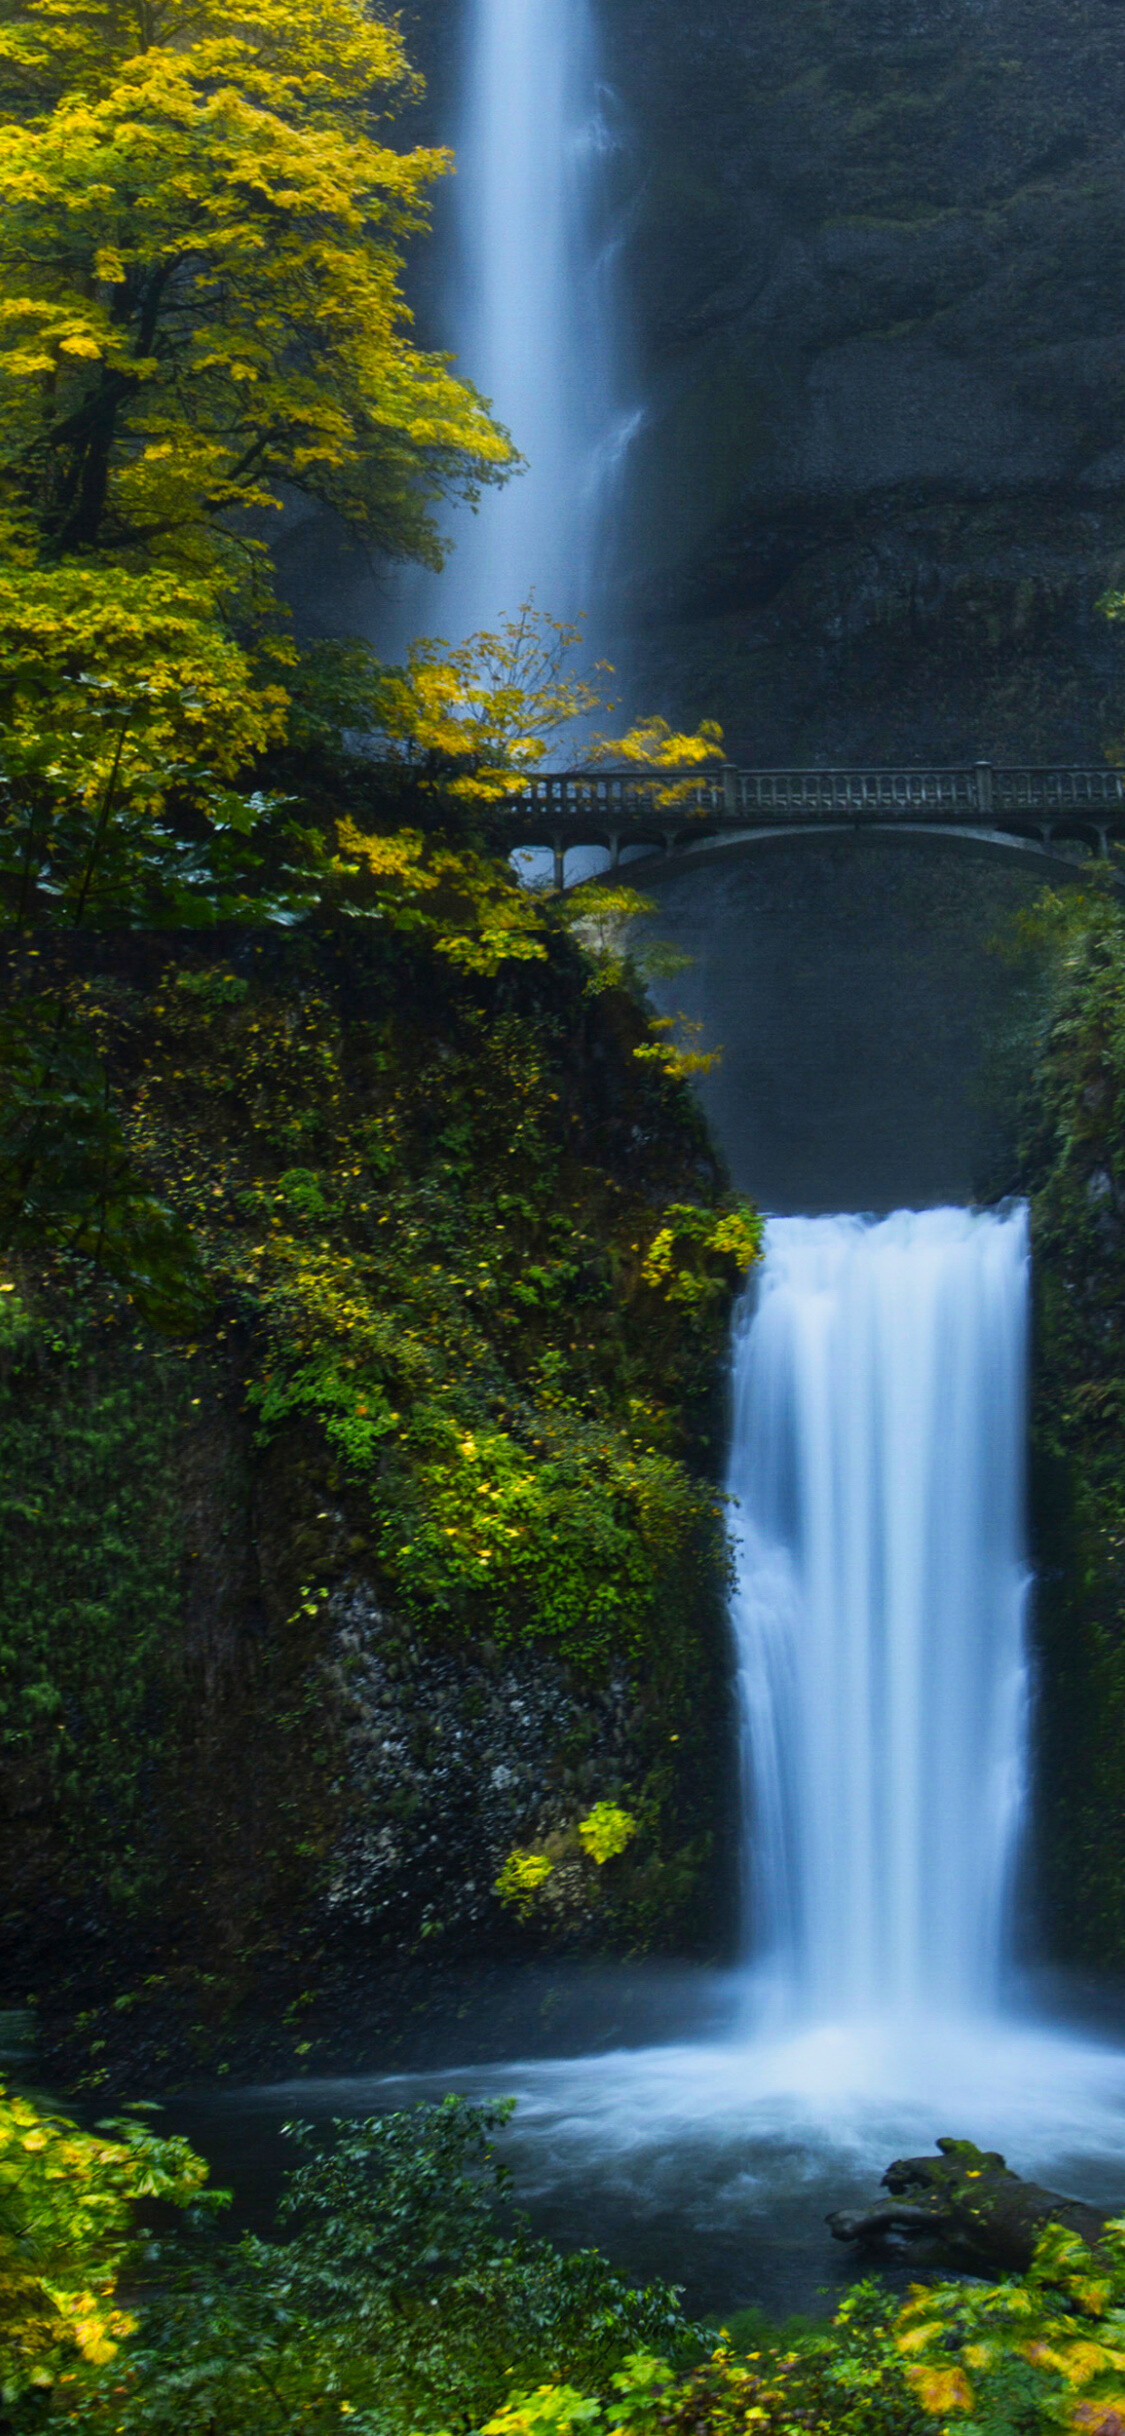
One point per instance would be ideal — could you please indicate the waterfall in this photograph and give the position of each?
(533, 313)
(877, 1461)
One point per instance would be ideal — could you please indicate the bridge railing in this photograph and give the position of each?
(666, 800)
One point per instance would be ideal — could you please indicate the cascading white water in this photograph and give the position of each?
(533, 315)
(882, 1578)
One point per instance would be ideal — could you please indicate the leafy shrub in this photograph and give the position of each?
(606, 1830)
(522, 1875)
(404, 2293)
(67, 2234)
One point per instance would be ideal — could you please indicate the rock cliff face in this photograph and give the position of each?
(871, 296)
(873, 267)
(451, 1759)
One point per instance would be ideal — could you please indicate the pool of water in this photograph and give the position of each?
(712, 2159)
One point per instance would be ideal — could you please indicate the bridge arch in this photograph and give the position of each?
(1064, 852)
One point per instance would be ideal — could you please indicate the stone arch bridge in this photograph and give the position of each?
(679, 812)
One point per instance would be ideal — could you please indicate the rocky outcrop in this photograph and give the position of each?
(968, 2205)
(453, 1758)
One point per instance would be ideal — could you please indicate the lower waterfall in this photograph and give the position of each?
(877, 1462)
(877, 1466)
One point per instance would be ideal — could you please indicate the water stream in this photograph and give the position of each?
(877, 1457)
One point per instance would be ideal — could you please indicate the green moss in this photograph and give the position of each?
(464, 1295)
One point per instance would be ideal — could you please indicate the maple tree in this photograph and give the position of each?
(200, 308)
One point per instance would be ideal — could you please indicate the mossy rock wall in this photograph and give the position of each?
(1070, 1165)
(413, 1552)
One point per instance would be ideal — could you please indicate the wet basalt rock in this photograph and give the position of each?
(453, 1758)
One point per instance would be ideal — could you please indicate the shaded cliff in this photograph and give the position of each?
(874, 256)
(853, 983)
(869, 261)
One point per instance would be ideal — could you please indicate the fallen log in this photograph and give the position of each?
(964, 2205)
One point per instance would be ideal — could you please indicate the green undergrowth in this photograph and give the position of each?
(444, 1267)
(400, 2291)
(461, 1268)
(90, 1542)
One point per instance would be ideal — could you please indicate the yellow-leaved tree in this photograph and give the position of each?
(203, 218)
(456, 731)
(68, 2231)
(200, 309)
(202, 222)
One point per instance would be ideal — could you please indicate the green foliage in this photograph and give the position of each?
(421, 1204)
(402, 2291)
(439, 1294)
(121, 699)
(1071, 1164)
(466, 721)
(520, 1879)
(602, 1835)
(652, 745)
(68, 1179)
(698, 1253)
(840, 2380)
(90, 1556)
(468, 906)
(472, 718)
(199, 297)
(1041, 2351)
(404, 2294)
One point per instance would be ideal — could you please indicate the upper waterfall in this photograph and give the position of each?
(878, 1466)
(532, 326)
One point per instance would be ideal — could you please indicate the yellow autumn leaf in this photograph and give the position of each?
(916, 2338)
(940, 2389)
(1082, 2360)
